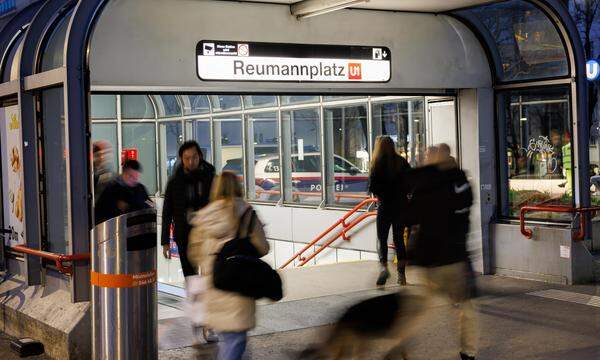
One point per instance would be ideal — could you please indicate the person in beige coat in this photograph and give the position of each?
(228, 313)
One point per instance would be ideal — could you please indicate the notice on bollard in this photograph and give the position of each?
(123, 280)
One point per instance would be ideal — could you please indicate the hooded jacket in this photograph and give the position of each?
(185, 194)
(215, 225)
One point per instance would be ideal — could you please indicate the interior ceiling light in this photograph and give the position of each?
(308, 8)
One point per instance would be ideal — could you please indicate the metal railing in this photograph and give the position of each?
(59, 259)
(346, 226)
(582, 212)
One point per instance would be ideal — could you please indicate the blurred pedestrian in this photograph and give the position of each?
(225, 219)
(440, 206)
(187, 191)
(123, 194)
(103, 171)
(387, 183)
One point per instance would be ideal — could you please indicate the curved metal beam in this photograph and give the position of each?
(77, 88)
(35, 33)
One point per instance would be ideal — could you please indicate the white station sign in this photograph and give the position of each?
(228, 61)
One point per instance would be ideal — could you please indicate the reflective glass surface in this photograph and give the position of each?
(53, 54)
(104, 106)
(142, 137)
(136, 107)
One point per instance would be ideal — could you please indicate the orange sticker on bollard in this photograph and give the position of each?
(122, 280)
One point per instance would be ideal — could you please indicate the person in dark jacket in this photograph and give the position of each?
(440, 206)
(387, 183)
(187, 191)
(123, 194)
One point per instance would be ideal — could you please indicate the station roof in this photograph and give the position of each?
(402, 5)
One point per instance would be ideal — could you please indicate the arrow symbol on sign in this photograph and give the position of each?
(384, 54)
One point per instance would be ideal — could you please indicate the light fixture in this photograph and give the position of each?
(523, 119)
(309, 8)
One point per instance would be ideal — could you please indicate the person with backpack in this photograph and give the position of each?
(387, 183)
(226, 220)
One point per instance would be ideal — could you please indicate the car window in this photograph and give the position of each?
(308, 164)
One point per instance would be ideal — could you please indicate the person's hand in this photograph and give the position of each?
(166, 251)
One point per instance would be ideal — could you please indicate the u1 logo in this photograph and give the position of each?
(354, 71)
(592, 70)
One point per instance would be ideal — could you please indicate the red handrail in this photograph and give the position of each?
(342, 222)
(315, 194)
(558, 209)
(58, 259)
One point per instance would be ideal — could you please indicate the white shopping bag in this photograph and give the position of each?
(196, 286)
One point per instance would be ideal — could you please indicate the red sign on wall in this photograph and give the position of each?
(129, 154)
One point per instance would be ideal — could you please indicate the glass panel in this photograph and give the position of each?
(167, 105)
(104, 107)
(225, 102)
(265, 155)
(198, 104)
(537, 140)
(336, 98)
(305, 131)
(170, 138)
(107, 132)
(9, 64)
(52, 57)
(136, 107)
(259, 101)
(301, 99)
(142, 137)
(201, 133)
(229, 155)
(55, 169)
(526, 40)
(402, 120)
(351, 152)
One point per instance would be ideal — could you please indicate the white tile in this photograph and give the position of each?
(283, 252)
(270, 257)
(327, 256)
(347, 255)
(368, 255)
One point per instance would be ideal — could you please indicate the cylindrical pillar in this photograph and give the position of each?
(123, 279)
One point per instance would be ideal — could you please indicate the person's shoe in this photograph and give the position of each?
(464, 356)
(383, 276)
(209, 335)
(402, 275)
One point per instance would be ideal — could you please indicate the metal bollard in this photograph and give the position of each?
(123, 279)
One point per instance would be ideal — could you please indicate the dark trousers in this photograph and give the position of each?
(186, 266)
(385, 220)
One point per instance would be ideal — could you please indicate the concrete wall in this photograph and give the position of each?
(428, 51)
(550, 256)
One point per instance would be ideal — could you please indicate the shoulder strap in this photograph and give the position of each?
(249, 212)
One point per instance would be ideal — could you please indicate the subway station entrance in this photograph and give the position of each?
(292, 98)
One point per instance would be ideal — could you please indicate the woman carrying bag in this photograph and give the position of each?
(227, 218)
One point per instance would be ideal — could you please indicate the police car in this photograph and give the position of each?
(306, 177)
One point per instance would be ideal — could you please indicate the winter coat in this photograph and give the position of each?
(215, 225)
(116, 191)
(388, 184)
(185, 194)
(440, 205)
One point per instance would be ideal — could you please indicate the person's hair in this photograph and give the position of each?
(190, 144)
(226, 187)
(431, 156)
(384, 155)
(132, 165)
(444, 148)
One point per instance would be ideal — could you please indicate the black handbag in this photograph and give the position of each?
(238, 267)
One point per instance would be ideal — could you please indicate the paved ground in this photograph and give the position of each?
(7, 354)
(518, 320)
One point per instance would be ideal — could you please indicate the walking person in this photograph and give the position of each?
(387, 183)
(103, 172)
(440, 206)
(123, 194)
(187, 191)
(224, 219)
